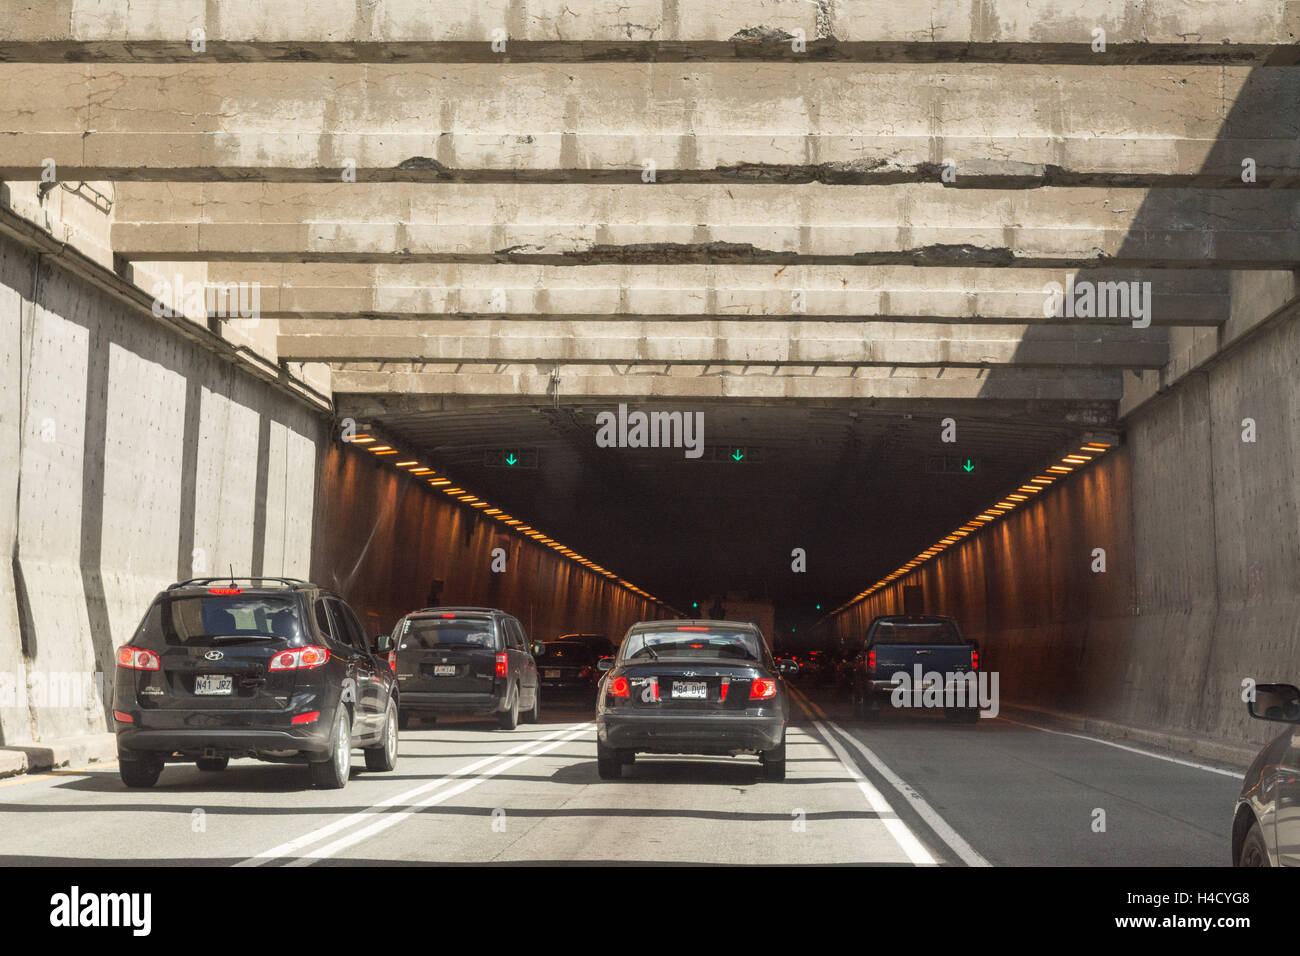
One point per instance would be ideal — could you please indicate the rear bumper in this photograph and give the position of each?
(310, 739)
(691, 733)
(423, 702)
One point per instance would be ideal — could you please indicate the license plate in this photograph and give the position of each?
(213, 686)
(444, 670)
(551, 675)
(690, 689)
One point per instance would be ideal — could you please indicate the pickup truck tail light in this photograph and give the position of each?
(974, 660)
(871, 660)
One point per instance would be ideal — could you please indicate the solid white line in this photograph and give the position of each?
(1134, 750)
(392, 819)
(293, 846)
(942, 829)
(896, 828)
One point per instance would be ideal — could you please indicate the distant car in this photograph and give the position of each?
(601, 646)
(465, 660)
(568, 666)
(899, 643)
(1265, 825)
(272, 668)
(692, 687)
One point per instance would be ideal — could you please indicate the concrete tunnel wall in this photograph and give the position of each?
(136, 457)
(1202, 537)
(383, 538)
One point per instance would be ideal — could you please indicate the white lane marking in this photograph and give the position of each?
(1134, 750)
(392, 819)
(896, 828)
(293, 846)
(942, 829)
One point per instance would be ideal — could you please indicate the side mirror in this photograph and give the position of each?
(605, 663)
(1276, 702)
(788, 667)
(382, 643)
(539, 649)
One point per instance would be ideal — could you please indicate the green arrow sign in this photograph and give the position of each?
(737, 455)
(968, 466)
(511, 459)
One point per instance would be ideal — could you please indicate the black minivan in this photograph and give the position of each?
(272, 668)
(465, 660)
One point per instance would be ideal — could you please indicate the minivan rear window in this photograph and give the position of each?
(219, 619)
(430, 632)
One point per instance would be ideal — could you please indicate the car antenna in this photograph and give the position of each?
(232, 574)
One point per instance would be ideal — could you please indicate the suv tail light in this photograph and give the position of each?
(392, 661)
(137, 658)
(871, 660)
(618, 687)
(300, 658)
(762, 688)
(501, 665)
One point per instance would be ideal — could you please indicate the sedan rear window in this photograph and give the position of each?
(693, 643)
(220, 619)
(916, 632)
(433, 632)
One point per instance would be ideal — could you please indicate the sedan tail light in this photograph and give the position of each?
(300, 658)
(618, 687)
(501, 665)
(762, 688)
(137, 659)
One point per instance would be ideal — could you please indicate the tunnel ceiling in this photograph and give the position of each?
(859, 490)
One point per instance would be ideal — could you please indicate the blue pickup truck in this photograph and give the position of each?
(916, 660)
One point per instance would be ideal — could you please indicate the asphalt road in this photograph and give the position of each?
(904, 789)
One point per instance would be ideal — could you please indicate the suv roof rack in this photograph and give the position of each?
(456, 607)
(198, 582)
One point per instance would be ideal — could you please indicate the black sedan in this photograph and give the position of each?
(1266, 825)
(692, 687)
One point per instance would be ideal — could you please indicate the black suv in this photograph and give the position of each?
(466, 660)
(272, 668)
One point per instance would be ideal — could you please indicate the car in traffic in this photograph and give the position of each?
(276, 669)
(464, 660)
(692, 687)
(568, 667)
(1265, 823)
(911, 644)
(601, 646)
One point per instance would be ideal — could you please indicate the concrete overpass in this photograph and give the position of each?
(832, 228)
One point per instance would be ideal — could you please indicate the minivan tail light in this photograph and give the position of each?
(300, 658)
(137, 658)
(501, 665)
(618, 687)
(762, 688)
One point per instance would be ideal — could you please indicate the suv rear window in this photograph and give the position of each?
(692, 643)
(430, 632)
(208, 619)
(916, 632)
